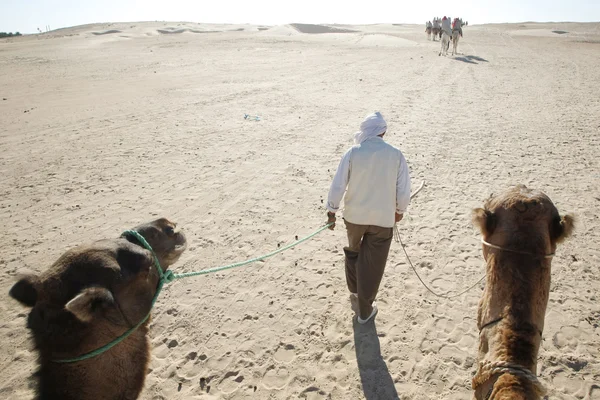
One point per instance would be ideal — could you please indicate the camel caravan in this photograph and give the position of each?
(447, 32)
(95, 293)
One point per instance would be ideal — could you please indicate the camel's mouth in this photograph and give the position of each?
(180, 248)
(175, 252)
(180, 243)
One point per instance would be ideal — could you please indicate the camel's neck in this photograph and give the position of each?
(118, 373)
(515, 296)
(516, 292)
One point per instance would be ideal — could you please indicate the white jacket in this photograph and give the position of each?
(376, 176)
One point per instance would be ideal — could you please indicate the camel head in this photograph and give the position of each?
(167, 241)
(94, 292)
(522, 219)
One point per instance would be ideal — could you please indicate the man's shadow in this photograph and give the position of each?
(377, 383)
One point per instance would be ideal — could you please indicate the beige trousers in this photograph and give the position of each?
(366, 255)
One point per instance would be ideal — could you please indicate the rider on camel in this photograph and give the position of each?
(446, 26)
(456, 25)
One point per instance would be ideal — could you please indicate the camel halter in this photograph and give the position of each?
(488, 369)
(495, 321)
(493, 246)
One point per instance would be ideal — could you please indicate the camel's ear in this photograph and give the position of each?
(563, 227)
(485, 220)
(25, 290)
(89, 301)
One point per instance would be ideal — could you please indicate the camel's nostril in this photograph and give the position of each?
(521, 206)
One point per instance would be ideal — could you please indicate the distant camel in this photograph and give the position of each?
(445, 44)
(436, 29)
(456, 33)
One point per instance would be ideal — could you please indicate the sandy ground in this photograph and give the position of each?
(106, 126)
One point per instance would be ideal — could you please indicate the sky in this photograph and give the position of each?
(26, 16)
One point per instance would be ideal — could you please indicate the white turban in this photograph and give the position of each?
(373, 125)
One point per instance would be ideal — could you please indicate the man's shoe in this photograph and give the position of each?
(372, 316)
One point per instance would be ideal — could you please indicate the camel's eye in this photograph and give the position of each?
(169, 230)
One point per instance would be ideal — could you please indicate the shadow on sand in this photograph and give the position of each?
(469, 59)
(377, 383)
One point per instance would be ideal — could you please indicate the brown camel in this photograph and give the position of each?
(91, 295)
(521, 228)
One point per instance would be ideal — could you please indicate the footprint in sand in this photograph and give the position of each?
(400, 333)
(567, 336)
(285, 353)
(275, 377)
(312, 392)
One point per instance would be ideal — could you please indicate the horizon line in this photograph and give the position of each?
(305, 23)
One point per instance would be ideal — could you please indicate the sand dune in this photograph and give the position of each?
(100, 134)
(111, 31)
(183, 30)
(319, 29)
(280, 30)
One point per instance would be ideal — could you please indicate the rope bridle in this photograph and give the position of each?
(493, 246)
(487, 370)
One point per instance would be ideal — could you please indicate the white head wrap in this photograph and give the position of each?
(373, 125)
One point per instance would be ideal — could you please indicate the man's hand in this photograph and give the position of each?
(399, 217)
(330, 219)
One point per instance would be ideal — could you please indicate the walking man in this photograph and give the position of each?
(376, 177)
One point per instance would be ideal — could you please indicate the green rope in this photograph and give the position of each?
(169, 276)
(252, 260)
(117, 340)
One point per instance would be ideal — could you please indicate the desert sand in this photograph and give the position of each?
(105, 126)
